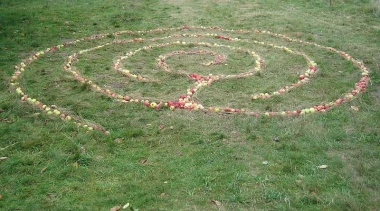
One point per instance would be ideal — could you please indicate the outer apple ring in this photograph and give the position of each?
(21, 67)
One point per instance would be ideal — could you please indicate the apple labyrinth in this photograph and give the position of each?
(187, 101)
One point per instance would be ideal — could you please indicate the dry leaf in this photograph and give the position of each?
(217, 203)
(3, 158)
(355, 108)
(35, 114)
(118, 140)
(163, 194)
(276, 139)
(126, 206)
(43, 169)
(143, 160)
(1, 196)
(116, 208)
(322, 166)
(234, 132)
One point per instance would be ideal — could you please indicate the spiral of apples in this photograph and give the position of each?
(186, 100)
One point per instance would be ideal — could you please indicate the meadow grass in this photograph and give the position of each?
(189, 160)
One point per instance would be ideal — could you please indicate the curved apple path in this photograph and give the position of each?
(186, 100)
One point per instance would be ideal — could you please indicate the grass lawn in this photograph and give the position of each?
(151, 105)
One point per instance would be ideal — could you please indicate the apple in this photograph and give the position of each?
(339, 101)
(301, 77)
(153, 105)
(127, 98)
(56, 112)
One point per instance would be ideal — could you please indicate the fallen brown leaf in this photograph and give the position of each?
(217, 203)
(163, 194)
(43, 169)
(161, 126)
(143, 160)
(1, 196)
(118, 140)
(115, 208)
(355, 108)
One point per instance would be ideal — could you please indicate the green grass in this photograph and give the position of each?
(188, 160)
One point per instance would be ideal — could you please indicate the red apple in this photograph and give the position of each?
(339, 101)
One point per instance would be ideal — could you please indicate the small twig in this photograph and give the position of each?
(1, 149)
